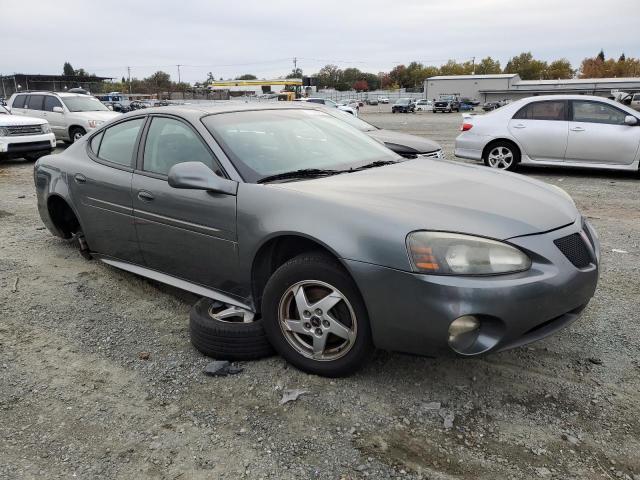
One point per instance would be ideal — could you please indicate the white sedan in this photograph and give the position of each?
(557, 130)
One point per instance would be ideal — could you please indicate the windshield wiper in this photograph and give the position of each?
(377, 163)
(301, 173)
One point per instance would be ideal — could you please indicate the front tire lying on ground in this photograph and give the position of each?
(315, 317)
(227, 333)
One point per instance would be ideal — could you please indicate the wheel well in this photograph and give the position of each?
(490, 145)
(275, 253)
(62, 216)
(76, 127)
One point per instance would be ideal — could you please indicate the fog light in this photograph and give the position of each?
(463, 332)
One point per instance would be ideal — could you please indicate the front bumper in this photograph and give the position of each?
(412, 312)
(25, 144)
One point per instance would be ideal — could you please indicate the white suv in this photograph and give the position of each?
(71, 115)
(24, 136)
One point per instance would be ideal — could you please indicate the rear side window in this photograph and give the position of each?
(316, 100)
(95, 142)
(35, 102)
(19, 101)
(550, 110)
(51, 102)
(596, 112)
(119, 142)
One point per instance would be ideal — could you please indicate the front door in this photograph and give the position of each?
(189, 234)
(101, 189)
(598, 134)
(541, 128)
(55, 119)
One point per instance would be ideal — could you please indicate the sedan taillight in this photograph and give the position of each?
(466, 126)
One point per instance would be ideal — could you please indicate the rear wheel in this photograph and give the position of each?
(315, 317)
(502, 156)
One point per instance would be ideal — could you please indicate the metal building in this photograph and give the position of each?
(488, 88)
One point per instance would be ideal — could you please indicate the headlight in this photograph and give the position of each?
(46, 128)
(445, 253)
(4, 132)
(95, 123)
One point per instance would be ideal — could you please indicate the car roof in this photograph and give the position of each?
(47, 92)
(196, 111)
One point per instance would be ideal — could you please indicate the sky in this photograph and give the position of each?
(230, 38)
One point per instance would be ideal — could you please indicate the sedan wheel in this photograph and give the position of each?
(315, 317)
(501, 157)
(317, 320)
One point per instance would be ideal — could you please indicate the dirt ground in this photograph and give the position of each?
(77, 401)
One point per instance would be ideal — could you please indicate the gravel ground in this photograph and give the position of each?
(79, 398)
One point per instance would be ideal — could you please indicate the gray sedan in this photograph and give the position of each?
(330, 241)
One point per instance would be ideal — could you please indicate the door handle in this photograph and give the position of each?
(577, 129)
(519, 125)
(145, 196)
(79, 178)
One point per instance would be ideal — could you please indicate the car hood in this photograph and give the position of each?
(97, 115)
(19, 120)
(446, 196)
(403, 142)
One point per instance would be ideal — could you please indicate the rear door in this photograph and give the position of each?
(541, 128)
(598, 134)
(18, 104)
(101, 189)
(34, 106)
(189, 234)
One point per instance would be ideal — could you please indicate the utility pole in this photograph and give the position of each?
(473, 65)
(295, 65)
(179, 79)
(4, 93)
(129, 78)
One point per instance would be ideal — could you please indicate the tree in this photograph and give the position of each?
(488, 66)
(559, 69)
(454, 68)
(526, 66)
(295, 73)
(361, 86)
(158, 83)
(247, 76)
(601, 55)
(329, 76)
(622, 57)
(68, 70)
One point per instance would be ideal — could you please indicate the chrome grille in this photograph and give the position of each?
(436, 154)
(574, 249)
(19, 130)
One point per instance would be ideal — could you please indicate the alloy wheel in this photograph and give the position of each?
(230, 313)
(317, 320)
(500, 157)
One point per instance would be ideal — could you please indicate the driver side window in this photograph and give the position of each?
(170, 142)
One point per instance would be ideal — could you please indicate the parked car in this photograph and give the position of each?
(403, 105)
(25, 137)
(331, 104)
(137, 105)
(70, 115)
(355, 104)
(489, 106)
(372, 101)
(408, 146)
(558, 130)
(446, 104)
(423, 105)
(635, 102)
(383, 100)
(319, 237)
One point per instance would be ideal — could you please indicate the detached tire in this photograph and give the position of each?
(225, 339)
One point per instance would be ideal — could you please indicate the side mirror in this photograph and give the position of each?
(58, 109)
(197, 176)
(630, 120)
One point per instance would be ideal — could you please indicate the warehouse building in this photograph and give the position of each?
(56, 83)
(489, 88)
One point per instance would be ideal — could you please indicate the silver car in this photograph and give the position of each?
(556, 130)
(71, 115)
(321, 237)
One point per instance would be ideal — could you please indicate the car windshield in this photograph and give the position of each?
(354, 121)
(262, 143)
(403, 101)
(84, 104)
